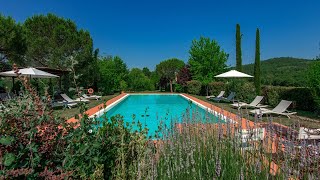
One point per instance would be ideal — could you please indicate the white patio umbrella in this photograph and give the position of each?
(233, 74)
(29, 72)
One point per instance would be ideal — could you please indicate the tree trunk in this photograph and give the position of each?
(171, 86)
(207, 90)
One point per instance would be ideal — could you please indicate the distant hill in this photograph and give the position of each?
(282, 71)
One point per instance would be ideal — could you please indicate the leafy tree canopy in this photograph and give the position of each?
(169, 68)
(112, 71)
(146, 71)
(314, 81)
(12, 40)
(206, 59)
(184, 76)
(51, 41)
(138, 81)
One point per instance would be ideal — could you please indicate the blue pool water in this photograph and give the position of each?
(150, 110)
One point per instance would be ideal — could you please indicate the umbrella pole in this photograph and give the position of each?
(12, 89)
(60, 83)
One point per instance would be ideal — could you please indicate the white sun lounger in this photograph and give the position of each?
(305, 133)
(280, 109)
(246, 136)
(254, 104)
(91, 97)
(219, 96)
(71, 102)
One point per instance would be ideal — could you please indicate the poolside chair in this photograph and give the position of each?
(280, 109)
(62, 104)
(70, 102)
(254, 104)
(310, 134)
(248, 137)
(219, 96)
(3, 108)
(91, 97)
(230, 98)
(6, 96)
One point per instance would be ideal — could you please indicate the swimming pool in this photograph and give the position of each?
(151, 109)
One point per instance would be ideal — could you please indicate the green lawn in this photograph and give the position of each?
(68, 113)
(305, 119)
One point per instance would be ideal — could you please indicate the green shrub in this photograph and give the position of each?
(314, 83)
(216, 87)
(179, 88)
(302, 97)
(123, 85)
(194, 87)
(245, 91)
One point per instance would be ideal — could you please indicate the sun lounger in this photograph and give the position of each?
(247, 137)
(280, 109)
(70, 102)
(3, 108)
(219, 96)
(230, 98)
(91, 97)
(254, 104)
(305, 133)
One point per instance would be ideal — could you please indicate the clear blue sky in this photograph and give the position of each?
(143, 33)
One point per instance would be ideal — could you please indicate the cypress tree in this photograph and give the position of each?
(238, 49)
(257, 81)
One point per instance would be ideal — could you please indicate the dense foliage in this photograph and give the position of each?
(194, 87)
(183, 77)
(314, 82)
(256, 70)
(51, 40)
(206, 60)
(138, 81)
(112, 71)
(169, 69)
(283, 71)
(302, 97)
(238, 49)
(12, 40)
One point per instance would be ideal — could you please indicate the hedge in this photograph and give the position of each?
(194, 87)
(302, 97)
(216, 87)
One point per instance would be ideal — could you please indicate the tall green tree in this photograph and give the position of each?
(313, 75)
(238, 49)
(206, 60)
(169, 68)
(112, 70)
(12, 41)
(138, 81)
(146, 71)
(52, 40)
(257, 80)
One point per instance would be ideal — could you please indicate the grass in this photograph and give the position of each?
(69, 113)
(303, 118)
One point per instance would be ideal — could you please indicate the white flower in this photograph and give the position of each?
(90, 131)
